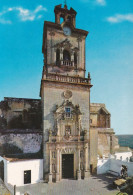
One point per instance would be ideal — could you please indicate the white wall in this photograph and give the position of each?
(124, 155)
(103, 166)
(114, 163)
(15, 171)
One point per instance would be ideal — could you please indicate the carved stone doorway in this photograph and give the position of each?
(67, 166)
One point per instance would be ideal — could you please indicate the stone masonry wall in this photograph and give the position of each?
(28, 143)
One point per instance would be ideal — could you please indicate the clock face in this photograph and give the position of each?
(67, 31)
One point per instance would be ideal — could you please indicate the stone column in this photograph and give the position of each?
(58, 166)
(54, 57)
(79, 171)
(86, 171)
(50, 174)
(72, 57)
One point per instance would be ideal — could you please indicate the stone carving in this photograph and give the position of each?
(67, 94)
(50, 133)
(65, 43)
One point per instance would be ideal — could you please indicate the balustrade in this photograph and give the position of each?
(67, 63)
(64, 78)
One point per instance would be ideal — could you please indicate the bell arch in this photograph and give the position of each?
(66, 55)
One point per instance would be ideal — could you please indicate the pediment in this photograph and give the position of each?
(65, 43)
(60, 110)
(104, 110)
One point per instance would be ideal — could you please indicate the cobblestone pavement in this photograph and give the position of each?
(96, 185)
(3, 190)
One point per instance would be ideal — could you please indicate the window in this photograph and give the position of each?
(91, 121)
(68, 112)
(66, 55)
(57, 56)
(68, 130)
(61, 20)
(69, 19)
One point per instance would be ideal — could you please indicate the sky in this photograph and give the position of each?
(109, 51)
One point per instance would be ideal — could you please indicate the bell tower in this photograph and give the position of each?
(64, 44)
(65, 96)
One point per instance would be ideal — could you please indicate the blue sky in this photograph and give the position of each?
(109, 51)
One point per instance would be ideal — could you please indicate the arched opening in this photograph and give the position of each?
(61, 19)
(66, 55)
(57, 56)
(2, 170)
(75, 58)
(69, 19)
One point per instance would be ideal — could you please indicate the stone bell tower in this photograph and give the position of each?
(65, 95)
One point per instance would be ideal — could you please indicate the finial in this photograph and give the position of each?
(89, 75)
(65, 4)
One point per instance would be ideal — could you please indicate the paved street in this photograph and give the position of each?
(96, 185)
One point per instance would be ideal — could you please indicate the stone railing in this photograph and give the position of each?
(67, 63)
(69, 79)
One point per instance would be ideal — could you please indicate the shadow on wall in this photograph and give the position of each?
(9, 149)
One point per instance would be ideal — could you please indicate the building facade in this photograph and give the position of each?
(75, 132)
(65, 95)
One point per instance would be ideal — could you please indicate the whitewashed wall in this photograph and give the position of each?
(124, 155)
(103, 166)
(114, 163)
(15, 171)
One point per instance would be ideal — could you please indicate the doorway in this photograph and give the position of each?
(27, 177)
(67, 166)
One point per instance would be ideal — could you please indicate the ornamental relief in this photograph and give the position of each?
(67, 94)
(70, 138)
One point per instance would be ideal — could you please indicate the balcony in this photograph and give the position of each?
(68, 79)
(66, 63)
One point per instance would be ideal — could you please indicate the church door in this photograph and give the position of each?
(67, 166)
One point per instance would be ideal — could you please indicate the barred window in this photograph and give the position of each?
(68, 112)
